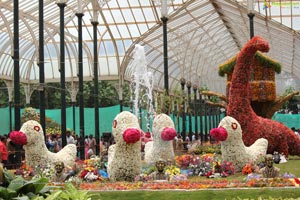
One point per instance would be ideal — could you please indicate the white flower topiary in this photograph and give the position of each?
(232, 146)
(124, 157)
(36, 152)
(161, 147)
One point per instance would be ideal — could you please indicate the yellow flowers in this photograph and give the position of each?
(89, 168)
(172, 170)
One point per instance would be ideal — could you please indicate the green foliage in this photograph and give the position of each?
(228, 66)
(126, 94)
(23, 189)
(107, 94)
(31, 114)
(52, 94)
(179, 99)
(54, 195)
(214, 99)
(37, 189)
(287, 91)
(8, 177)
(267, 61)
(4, 97)
(150, 170)
(3, 94)
(6, 193)
(70, 192)
(166, 104)
(204, 88)
(203, 149)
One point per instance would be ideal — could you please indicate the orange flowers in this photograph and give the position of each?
(183, 161)
(247, 169)
(25, 170)
(250, 168)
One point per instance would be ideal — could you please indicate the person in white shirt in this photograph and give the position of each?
(193, 137)
(70, 138)
(92, 146)
(187, 139)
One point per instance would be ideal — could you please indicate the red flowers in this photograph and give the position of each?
(247, 169)
(219, 134)
(131, 135)
(18, 137)
(168, 134)
(148, 135)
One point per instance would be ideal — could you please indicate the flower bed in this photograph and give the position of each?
(191, 184)
(88, 176)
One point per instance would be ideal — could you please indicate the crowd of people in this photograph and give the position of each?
(54, 143)
(187, 144)
(11, 155)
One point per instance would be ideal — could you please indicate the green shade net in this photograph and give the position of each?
(107, 115)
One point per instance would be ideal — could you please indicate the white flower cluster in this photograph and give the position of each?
(158, 148)
(36, 152)
(44, 170)
(124, 160)
(90, 176)
(233, 148)
(95, 161)
(75, 180)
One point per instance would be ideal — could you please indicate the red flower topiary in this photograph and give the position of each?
(18, 137)
(131, 135)
(280, 138)
(168, 134)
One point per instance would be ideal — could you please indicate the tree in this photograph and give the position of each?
(3, 94)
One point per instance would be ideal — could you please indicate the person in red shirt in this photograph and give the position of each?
(3, 151)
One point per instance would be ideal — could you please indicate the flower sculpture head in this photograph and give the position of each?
(18, 137)
(36, 152)
(261, 44)
(126, 128)
(163, 128)
(229, 130)
(232, 146)
(131, 135)
(163, 132)
(30, 132)
(219, 134)
(168, 134)
(124, 157)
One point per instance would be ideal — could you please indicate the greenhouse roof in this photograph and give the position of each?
(201, 36)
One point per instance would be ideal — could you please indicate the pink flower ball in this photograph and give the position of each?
(131, 135)
(219, 134)
(18, 137)
(148, 135)
(168, 134)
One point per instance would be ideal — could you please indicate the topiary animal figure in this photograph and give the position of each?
(280, 137)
